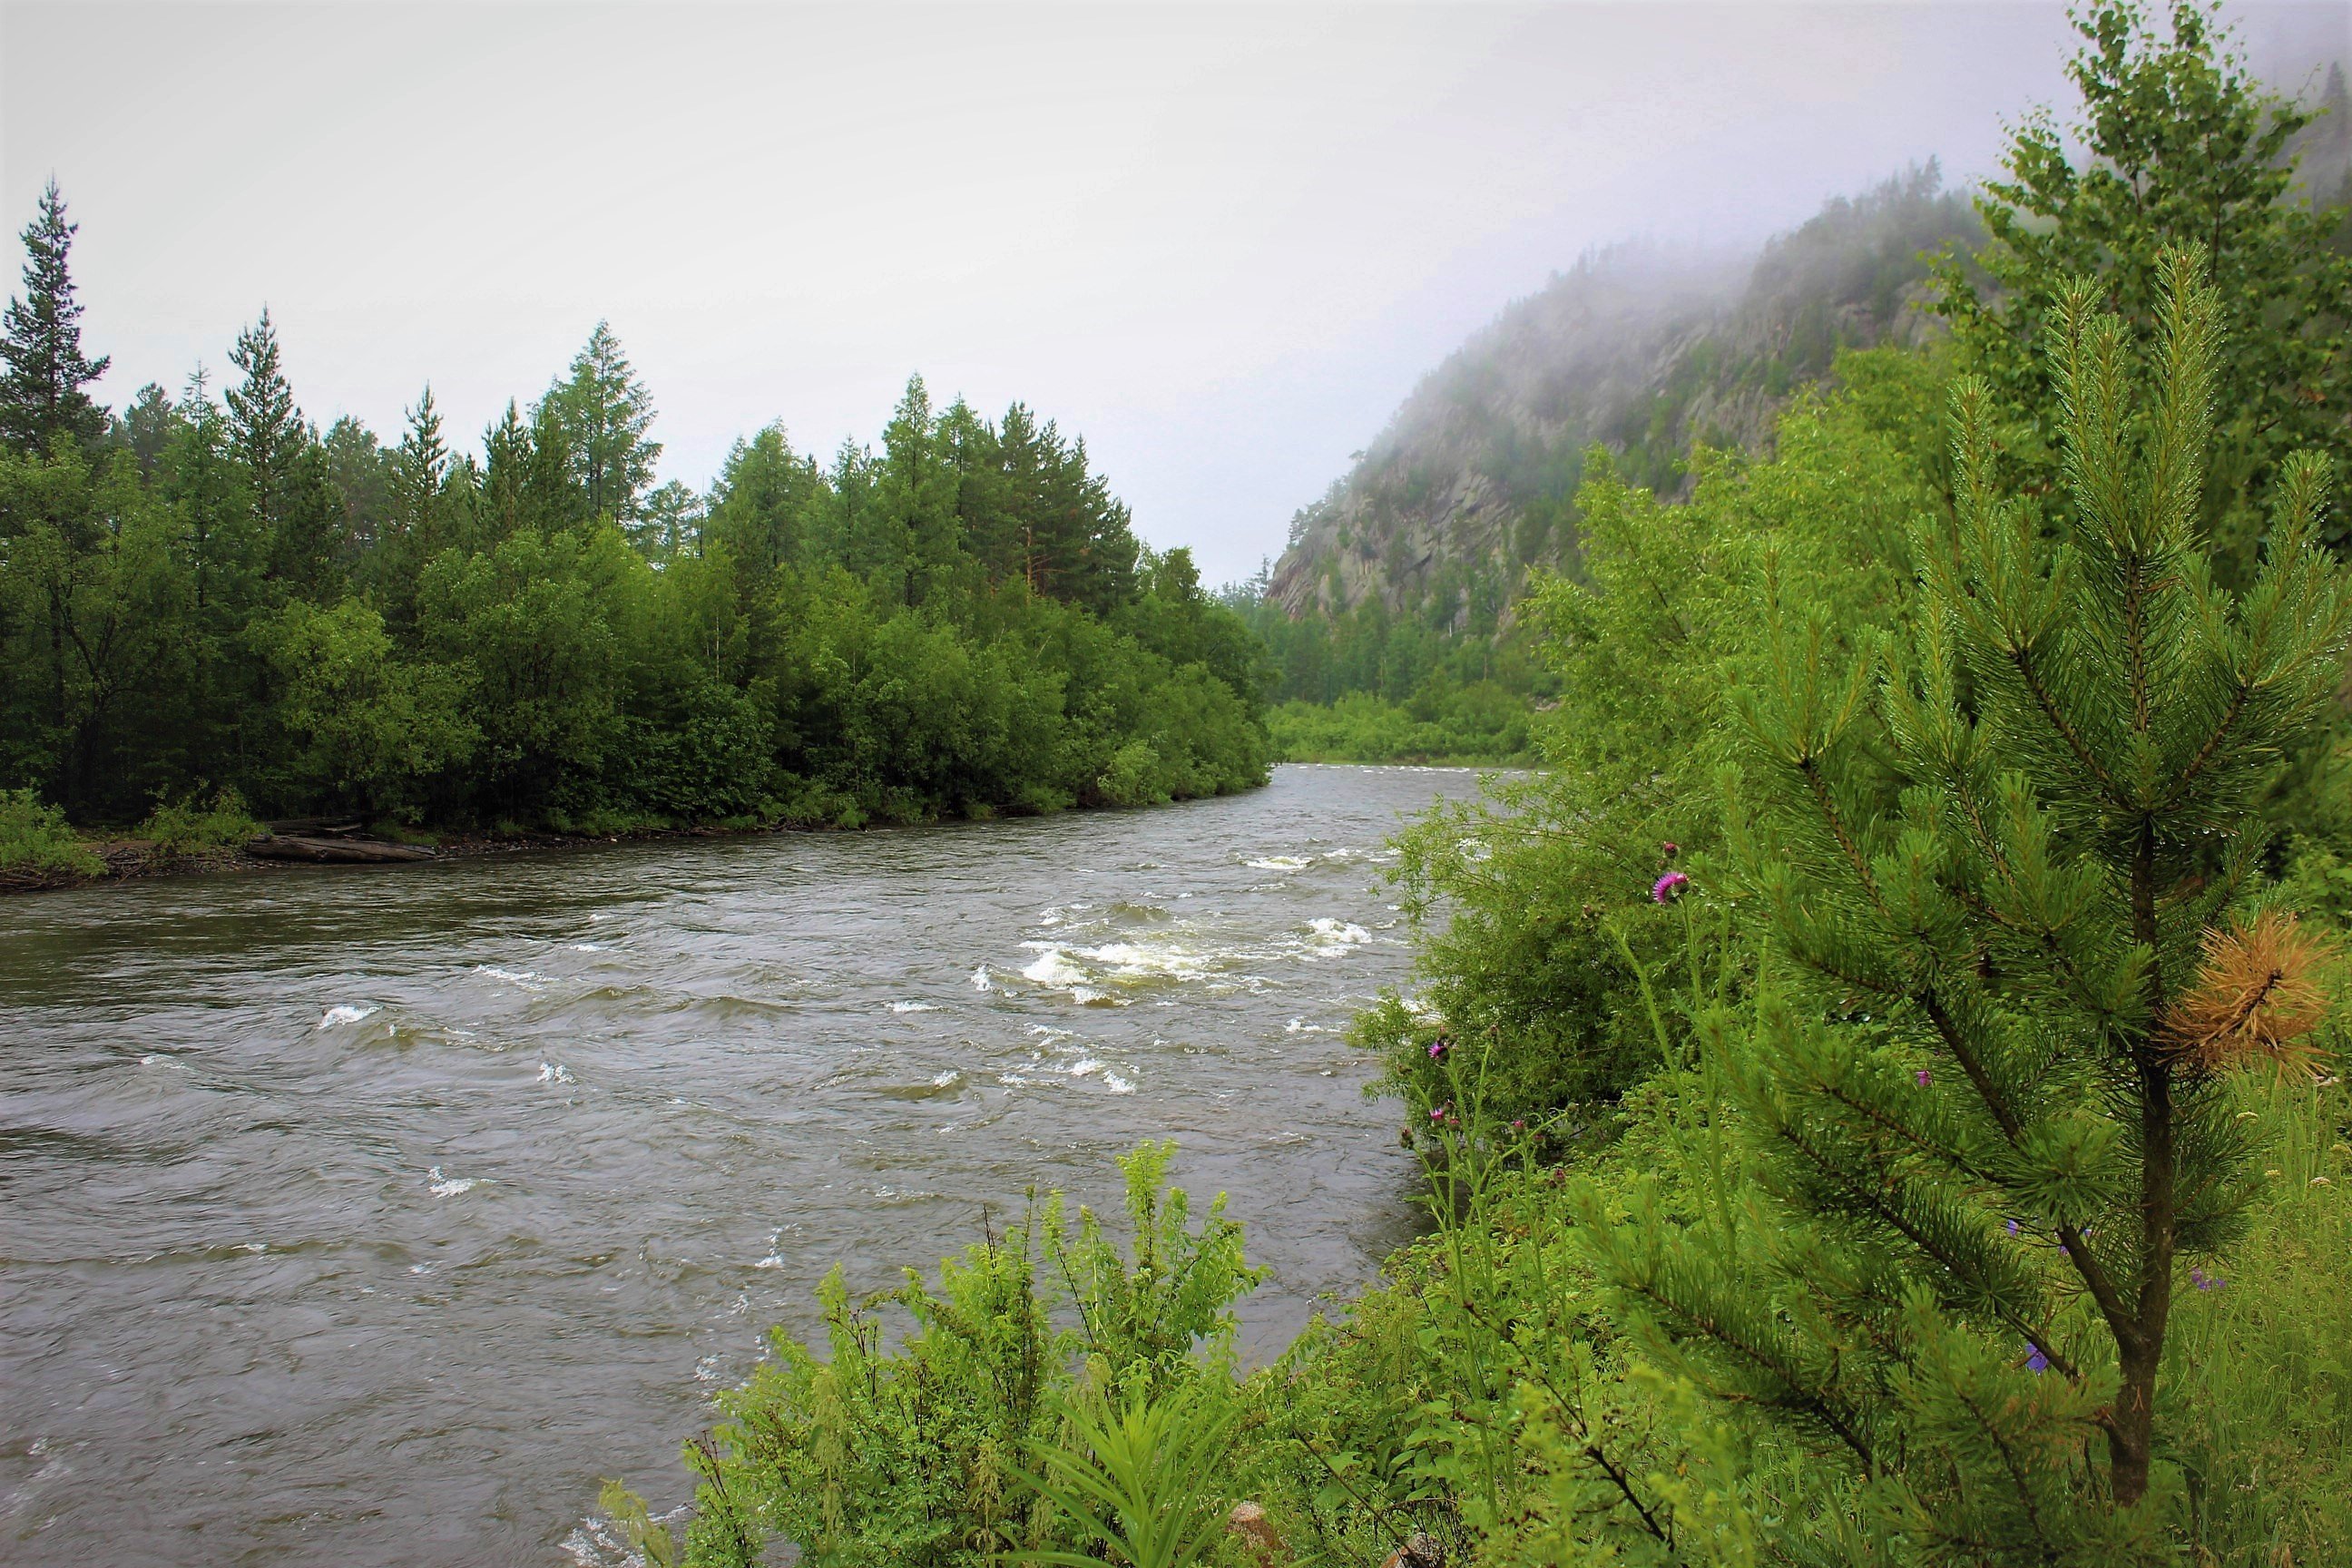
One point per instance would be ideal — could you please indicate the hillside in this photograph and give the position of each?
(1644, 351)
(1636, 348)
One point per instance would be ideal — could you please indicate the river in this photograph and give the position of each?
(360, 1216)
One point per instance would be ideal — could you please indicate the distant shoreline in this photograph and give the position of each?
(134, 860)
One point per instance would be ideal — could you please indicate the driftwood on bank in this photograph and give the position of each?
(326, 851)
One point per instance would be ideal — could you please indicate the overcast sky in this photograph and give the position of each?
(1222, 242)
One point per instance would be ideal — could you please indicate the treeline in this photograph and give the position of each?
(208, 593)
(1445, 682)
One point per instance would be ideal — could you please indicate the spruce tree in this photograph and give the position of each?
(42, 367)
(605, 411)
(2013, 941)
(266, 429)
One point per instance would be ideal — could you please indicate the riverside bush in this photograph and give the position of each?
(926, 1454)
(175, 830)
(36, 844)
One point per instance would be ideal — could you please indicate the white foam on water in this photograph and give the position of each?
(589, 947)
(946, 1078)
(154, 1059)
(252, 1247)
(348, 1013)
(1133, 959)
(1116, 1084)
(1084, 1066)
(1279, 863)
(448, 1187)
(913, 1008)
(980, 978)
(522, 977)
(1052, 967)
(554, 1073)
(1332, 937)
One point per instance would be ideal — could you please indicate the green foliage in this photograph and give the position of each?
(2175, 146)
(36, 845)
(1525, 903)
(962, 624)
(178, 829)
(1980, 1150)
(2260, 1362)
(1482, 723)
(1137, 1481)
(1042, 1347)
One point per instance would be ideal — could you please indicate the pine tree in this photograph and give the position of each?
(41, 395)
(420, 467)
(2012, 944)
(915, 487)
(147, 428)
(605, 411)
(506, 460)
(265, 428)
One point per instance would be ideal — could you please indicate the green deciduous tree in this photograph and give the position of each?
(2004, 878)
(2179, 146)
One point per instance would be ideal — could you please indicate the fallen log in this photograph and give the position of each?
(333, 851)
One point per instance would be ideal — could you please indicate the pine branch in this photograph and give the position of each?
(1862, 1197)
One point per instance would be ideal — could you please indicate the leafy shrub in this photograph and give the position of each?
(1131, 777)
(179, 829)
(1138, 1482)
(36, 845)
(915, 1456)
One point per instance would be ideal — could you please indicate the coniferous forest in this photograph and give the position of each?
(204, 598)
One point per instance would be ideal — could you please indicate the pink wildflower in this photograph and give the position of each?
(1669, 887)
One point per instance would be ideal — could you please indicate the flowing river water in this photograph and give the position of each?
(360, 1216)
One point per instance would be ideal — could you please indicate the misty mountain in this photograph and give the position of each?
(1643, 350)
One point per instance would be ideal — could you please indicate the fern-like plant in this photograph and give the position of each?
(1136, 1479)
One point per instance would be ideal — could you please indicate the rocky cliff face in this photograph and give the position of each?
(1638, 350)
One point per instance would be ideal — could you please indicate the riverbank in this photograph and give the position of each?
(65, 860)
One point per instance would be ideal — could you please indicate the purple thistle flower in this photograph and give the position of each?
(1438, 1048)
(2012, 1227)
(1669, 888)
(2202, 1280)
(1925, 1077)
(1437, 1113)
(2035, 1361)
(1670, 848)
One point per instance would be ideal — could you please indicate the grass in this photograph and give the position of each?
(2261, 1363)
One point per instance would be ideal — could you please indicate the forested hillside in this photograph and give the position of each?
(1392, 612)
(209, 592)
